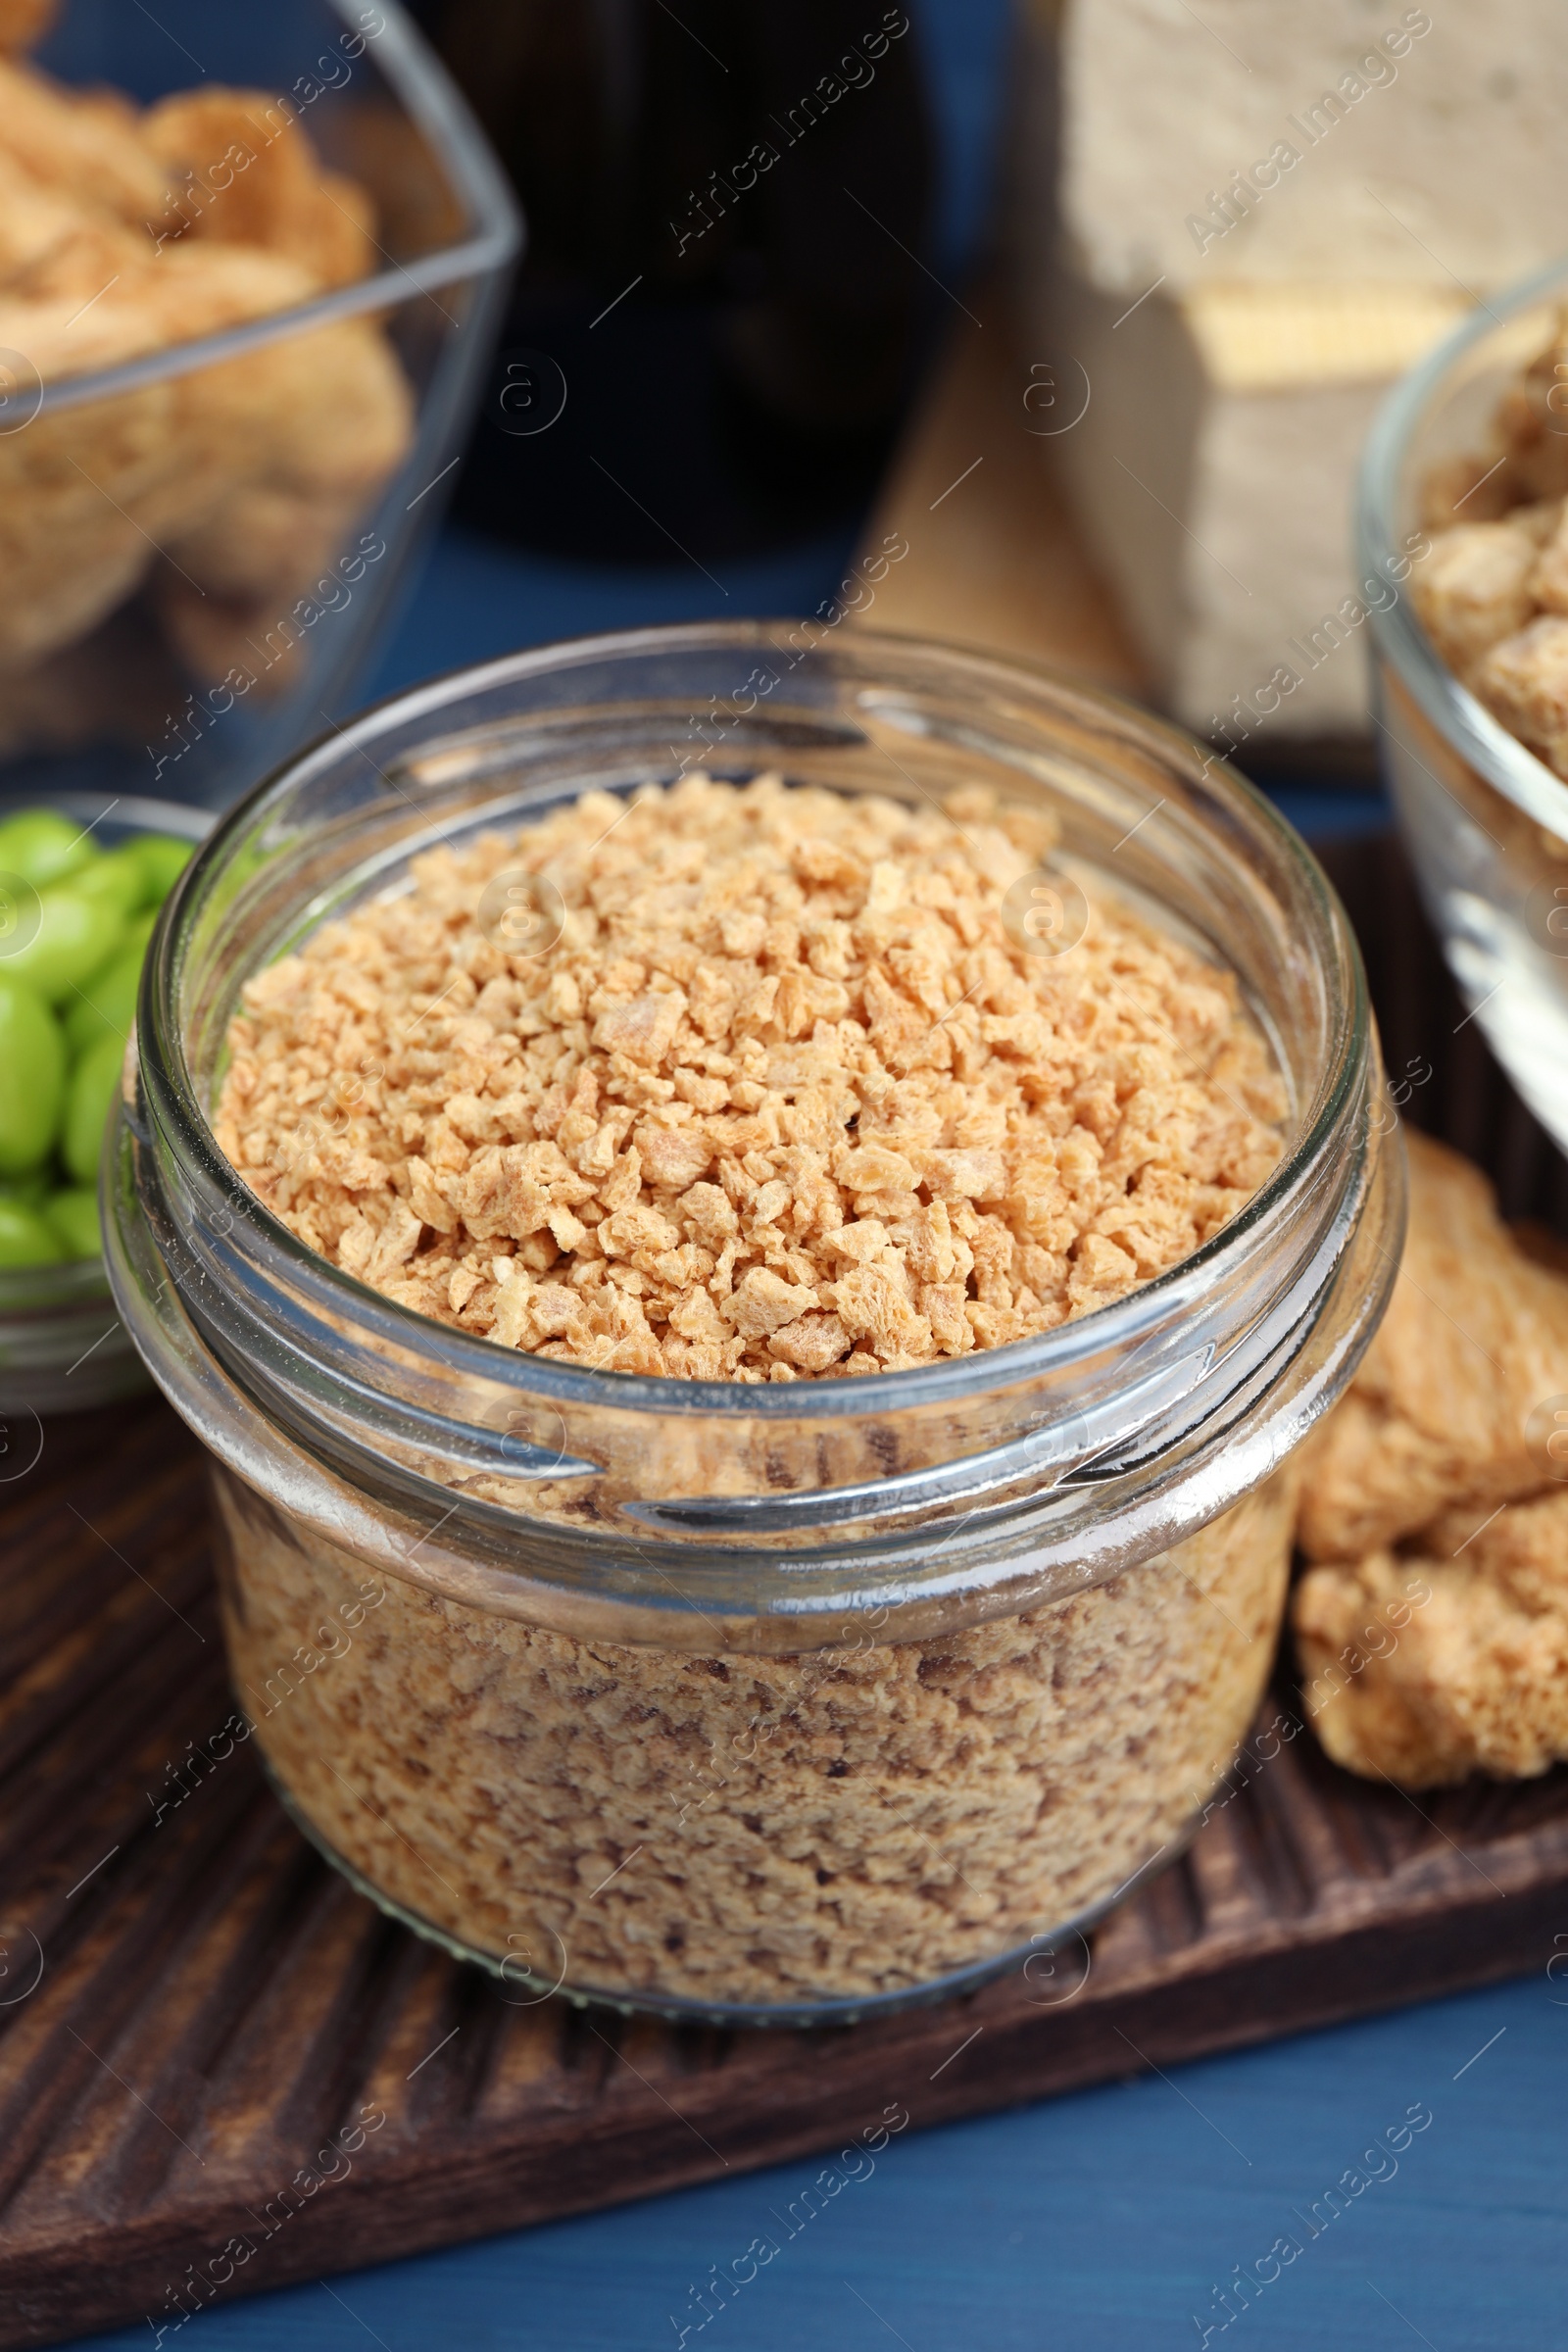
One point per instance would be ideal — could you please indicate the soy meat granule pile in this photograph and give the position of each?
(784, 1099)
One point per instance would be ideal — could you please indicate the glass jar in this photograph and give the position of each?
(772, 1703)
(1484, 820)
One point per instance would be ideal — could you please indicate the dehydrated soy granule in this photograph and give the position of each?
(786, 1097)
(728, 1829)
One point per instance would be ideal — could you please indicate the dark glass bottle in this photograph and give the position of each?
(725, 204)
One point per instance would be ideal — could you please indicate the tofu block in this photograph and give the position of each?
(1246, 140)
(1212, 476)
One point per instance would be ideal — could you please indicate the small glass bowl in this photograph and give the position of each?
(62, 1345)
(1484, 820)
(227, 592)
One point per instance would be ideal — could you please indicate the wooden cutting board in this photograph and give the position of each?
(216, 2060)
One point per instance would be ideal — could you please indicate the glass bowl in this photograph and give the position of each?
(780, 1703)
(62, 1345)
(1485, 820)
(205, 537)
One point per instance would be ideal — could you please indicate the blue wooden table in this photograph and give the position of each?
(1104, 2223)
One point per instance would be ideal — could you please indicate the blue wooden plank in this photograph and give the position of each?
(1102, 2222)
(478, 599)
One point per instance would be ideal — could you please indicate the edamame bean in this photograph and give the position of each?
(42, 846)
(95, 910)
(107, 1003)
(72, 1217)
(26, 1239)
(164, 858)
(75, 938)
(93, 1084)
(115, 881)
(33, 1076)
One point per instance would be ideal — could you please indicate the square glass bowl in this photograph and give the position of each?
(202, 540)
(1484, 820)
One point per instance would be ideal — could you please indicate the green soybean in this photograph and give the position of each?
(72, 1217)
(163, 857)
(26, 1239)
(43, 846)
(76, 936)
(31, 1191)
(33, 1076)
(93, 1085)
(115, 881)
(106, 1004)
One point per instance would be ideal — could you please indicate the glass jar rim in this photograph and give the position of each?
(582, 1498)
(185, 1121)
(1506, 763)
